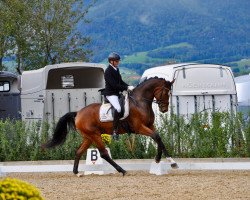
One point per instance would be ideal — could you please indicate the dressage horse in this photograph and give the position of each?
(140, 121)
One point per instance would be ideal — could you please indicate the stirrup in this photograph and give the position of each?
(115, 136)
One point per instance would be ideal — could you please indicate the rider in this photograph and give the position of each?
(113, 85)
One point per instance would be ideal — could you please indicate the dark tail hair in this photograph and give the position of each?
(61, 130)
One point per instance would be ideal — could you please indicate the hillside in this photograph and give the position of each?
(147, 33)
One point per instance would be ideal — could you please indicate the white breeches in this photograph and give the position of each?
(113, 99)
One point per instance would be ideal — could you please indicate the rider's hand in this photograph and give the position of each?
(131, 87)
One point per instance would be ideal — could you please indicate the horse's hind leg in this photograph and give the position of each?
(83, 147)
(104, 154)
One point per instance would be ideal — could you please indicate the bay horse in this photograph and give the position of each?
(140, 121)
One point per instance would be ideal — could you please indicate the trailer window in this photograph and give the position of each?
(4, 86)
(67, 81)
(75, 78)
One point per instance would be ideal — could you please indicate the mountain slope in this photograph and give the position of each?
(217, 31)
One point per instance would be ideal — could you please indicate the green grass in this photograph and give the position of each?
(242, 66)
(179, 45)
(129, 76)
(128, 72)
(242, 63)
(139, 57)
(142, 57)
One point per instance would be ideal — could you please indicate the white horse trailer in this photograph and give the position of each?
(50, 92)
(243, 93)
(10, 101)
(197, 88)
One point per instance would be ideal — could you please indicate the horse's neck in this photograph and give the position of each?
(146, 92)
(144, 96)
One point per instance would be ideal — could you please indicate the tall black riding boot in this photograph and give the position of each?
(116, 124)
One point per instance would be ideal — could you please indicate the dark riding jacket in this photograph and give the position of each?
(113, 82)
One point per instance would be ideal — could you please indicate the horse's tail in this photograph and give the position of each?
(61, 130)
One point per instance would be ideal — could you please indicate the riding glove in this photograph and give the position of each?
(130, 88)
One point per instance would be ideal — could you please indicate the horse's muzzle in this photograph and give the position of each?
(163, 109)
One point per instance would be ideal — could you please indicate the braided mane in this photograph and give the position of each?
(148, 79)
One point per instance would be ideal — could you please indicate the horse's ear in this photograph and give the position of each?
(172, 82)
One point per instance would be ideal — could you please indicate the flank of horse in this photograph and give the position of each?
(140, 121)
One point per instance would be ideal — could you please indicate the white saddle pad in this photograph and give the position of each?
(105, 112)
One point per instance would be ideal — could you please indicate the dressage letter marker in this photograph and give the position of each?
(160, 168)
(96, 165)
(94, 156)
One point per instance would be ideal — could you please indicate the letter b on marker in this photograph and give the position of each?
(93, 155)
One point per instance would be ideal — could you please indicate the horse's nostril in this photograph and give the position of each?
(164, 109)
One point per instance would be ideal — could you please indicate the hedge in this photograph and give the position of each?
(202, 136)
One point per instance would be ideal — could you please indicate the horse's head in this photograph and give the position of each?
(162, 94)
(157, 88)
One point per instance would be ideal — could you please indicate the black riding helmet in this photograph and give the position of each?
(114, 56)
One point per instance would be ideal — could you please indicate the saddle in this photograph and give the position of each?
(107, 110)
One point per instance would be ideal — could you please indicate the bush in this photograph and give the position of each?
(106, 139)
(132, 147)
(20, 142)
(202, 136)
(17, 189)
(218, 135)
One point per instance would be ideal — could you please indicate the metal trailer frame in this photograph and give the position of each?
(50, 92)
(197, 88)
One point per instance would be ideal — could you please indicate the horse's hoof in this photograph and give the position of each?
(115, 137)
(79, 175)
(157, 160)
(124, 173)
(174, 166)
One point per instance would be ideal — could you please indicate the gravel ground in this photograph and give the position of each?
(140, 185)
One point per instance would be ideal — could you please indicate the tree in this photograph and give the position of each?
(43, 32)
(16, 15)
(5, 34)
(3, 38)
(55, 37)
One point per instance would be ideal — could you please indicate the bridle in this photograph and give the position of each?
(160, 101)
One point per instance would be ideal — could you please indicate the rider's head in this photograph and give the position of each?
(114, 59)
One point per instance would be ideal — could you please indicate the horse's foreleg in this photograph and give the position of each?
(158, 140)
(144, 130)
(83, 147)
(160, 146)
